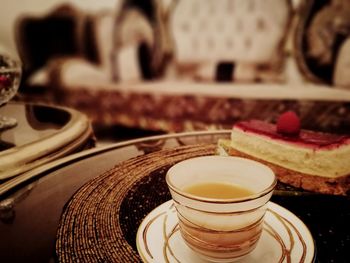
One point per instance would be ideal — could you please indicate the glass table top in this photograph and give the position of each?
(34, 123)
(43, 133)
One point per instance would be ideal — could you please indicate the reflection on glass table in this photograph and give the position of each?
(31, 208)
(42, 134)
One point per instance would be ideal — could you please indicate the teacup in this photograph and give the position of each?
(221, 202)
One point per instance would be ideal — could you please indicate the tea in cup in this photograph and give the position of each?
(221, 202)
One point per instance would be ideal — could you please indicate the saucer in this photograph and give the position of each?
(285, 238)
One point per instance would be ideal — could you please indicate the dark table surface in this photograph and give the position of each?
(30, 211)
(43, 133)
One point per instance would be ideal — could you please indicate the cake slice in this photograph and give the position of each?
(310, 160)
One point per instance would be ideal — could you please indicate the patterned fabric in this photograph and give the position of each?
(244, 31)
(191, 112)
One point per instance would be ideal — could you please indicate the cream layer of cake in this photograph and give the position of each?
(320, 154)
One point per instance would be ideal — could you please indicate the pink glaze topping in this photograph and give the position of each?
(305, 138)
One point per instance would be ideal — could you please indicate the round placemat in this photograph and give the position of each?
(100, 222)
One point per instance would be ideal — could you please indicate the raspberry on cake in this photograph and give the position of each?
(310, 160)
(288, 123)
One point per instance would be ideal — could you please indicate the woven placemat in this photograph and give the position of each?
(100, 222)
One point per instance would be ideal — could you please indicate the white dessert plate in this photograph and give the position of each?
(285, 238)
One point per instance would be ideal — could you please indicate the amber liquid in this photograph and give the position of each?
(218, 190)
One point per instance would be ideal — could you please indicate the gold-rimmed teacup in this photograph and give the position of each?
(221, 227)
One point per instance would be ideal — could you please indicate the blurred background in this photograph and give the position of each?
(139, 68)
(12, 10)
